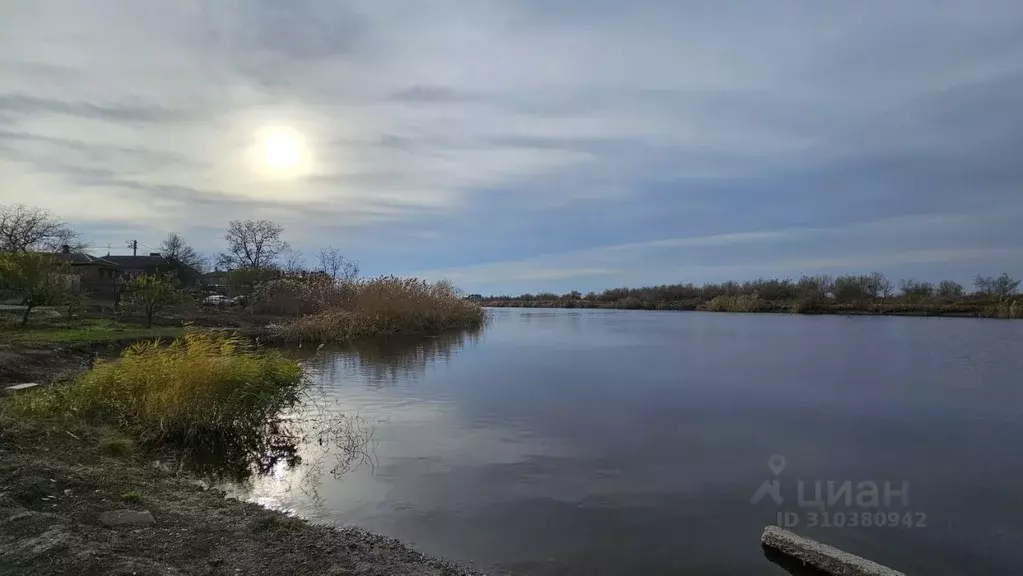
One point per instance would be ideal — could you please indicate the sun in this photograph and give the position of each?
(280, 151)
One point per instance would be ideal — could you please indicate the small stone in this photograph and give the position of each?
(126, 518)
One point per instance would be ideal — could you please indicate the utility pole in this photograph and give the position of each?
(134, 247)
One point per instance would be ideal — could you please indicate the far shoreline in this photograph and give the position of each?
(921, 312)
(866, 294)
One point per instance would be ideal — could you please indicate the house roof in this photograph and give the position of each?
(137, 261)
(81, 258)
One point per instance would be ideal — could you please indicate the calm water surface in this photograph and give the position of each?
(621, 442)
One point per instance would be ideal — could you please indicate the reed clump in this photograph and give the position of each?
(384, 306)
(202, 391)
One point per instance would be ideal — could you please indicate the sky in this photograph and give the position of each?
(529, 145)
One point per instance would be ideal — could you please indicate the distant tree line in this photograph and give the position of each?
(870, 293)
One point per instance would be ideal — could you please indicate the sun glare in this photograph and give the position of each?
(280, 151)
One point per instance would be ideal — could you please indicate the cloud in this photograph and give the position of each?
(432, 95)
(19, 104)
(856, 247)
(669, 136)
(514, 271)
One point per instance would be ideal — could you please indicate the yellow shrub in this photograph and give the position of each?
(200, 391)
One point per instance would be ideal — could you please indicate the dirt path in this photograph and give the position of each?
(57, 485)
(26, 364)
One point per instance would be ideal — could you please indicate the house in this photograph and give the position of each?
(98, 275)
(152, 265)
(102, 276)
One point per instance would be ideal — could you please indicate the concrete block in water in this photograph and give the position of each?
(825, 558)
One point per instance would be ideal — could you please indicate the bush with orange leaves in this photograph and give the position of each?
(386, 305)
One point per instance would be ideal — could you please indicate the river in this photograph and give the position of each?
(627, 442)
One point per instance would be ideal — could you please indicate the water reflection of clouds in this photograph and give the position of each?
(412, 437)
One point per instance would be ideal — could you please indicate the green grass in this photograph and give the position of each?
(83, 332)
(202, 392)
(133, 496)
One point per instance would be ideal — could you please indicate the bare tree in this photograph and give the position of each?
(27, 228)
(852, 288)
(334, 264)
(252, 244)
(175, 248)
(294, 261)
(818, 286)
(949, 290)
(915, 290)
(880, 286)
(1002, 286)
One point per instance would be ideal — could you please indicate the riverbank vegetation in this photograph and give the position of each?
(262, 286)
(202, 392)
(379, 306)
(992, 297)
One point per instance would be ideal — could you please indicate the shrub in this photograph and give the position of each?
(37, 279)
(151, 295)
(949, 290)
(741, 303)
(200, 392)
(243, 281)
(913, 290)
(853, 288)
(132, 496)
(295, 296)
(805, 304)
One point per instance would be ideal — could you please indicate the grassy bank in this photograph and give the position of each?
(201, 393)
(93, 331)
